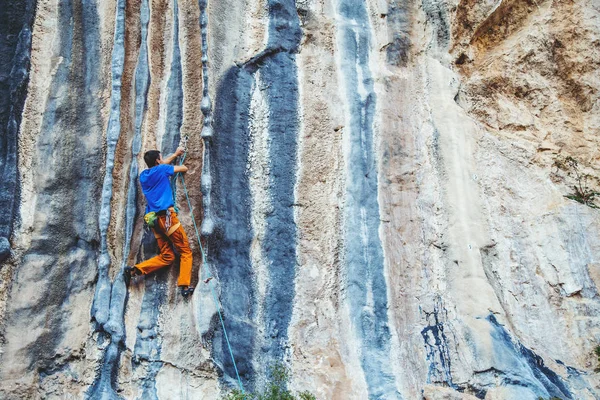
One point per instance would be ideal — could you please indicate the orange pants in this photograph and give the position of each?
(167, 255)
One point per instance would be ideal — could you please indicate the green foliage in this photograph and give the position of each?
(551, 398)
(582, 191)
(276, 389)
(597, 351)
(235, 395)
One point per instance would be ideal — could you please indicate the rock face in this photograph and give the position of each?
(16, 20)
(379, 186)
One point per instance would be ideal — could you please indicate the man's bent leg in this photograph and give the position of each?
(180, 241)
(164, 259)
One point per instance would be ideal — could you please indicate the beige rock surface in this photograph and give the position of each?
(433, 252)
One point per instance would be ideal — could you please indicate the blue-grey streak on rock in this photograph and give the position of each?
(113, 131)
(398, 21)
(142, 81)
(437, 15)
(366, 285)
(109, 300)
(115, 326)
(148, 346)
(229, 247)
(280, 76)
(174, 117)
(225, 158)
(285, 33)
(524, 368)
(68, 186)
(437, 346)
(16, 19)
(208, 221)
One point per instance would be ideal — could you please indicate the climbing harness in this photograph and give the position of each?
(151, 218)
(209, 279)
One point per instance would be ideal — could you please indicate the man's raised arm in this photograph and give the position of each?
(172, 157)
(180, 168)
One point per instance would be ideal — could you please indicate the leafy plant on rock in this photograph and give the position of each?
(582, 190)
(597, 351)
(276, 389)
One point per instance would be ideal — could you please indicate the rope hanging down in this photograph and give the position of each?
(209, 278)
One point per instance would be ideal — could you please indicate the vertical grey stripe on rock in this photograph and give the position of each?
(147, 350)
(108, 305)
(174, 115)
(142, 81)
(208, 222)
(16, 19)
(103, 287)
(366, 285)
(148, 343)
(437, 16)
(174, 118)
(280, 76)
(65, 242)
(116, 324)
(229, 246)
(227, 202)
(398, 21)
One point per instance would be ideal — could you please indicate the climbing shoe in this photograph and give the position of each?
(186, 292)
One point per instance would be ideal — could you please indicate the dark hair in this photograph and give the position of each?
(150, 157)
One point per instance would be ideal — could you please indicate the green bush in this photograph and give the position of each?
(276, 389)
(581, 182)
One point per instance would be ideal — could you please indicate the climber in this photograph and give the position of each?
(162, 218)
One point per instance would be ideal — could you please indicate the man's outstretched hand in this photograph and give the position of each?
(172, 157)
(179, 168)
(179, 151)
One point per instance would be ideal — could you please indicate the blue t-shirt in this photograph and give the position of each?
(157, 187)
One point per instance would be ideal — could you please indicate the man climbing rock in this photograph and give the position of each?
(162, 218)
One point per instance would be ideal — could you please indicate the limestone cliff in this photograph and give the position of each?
(395, 197)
